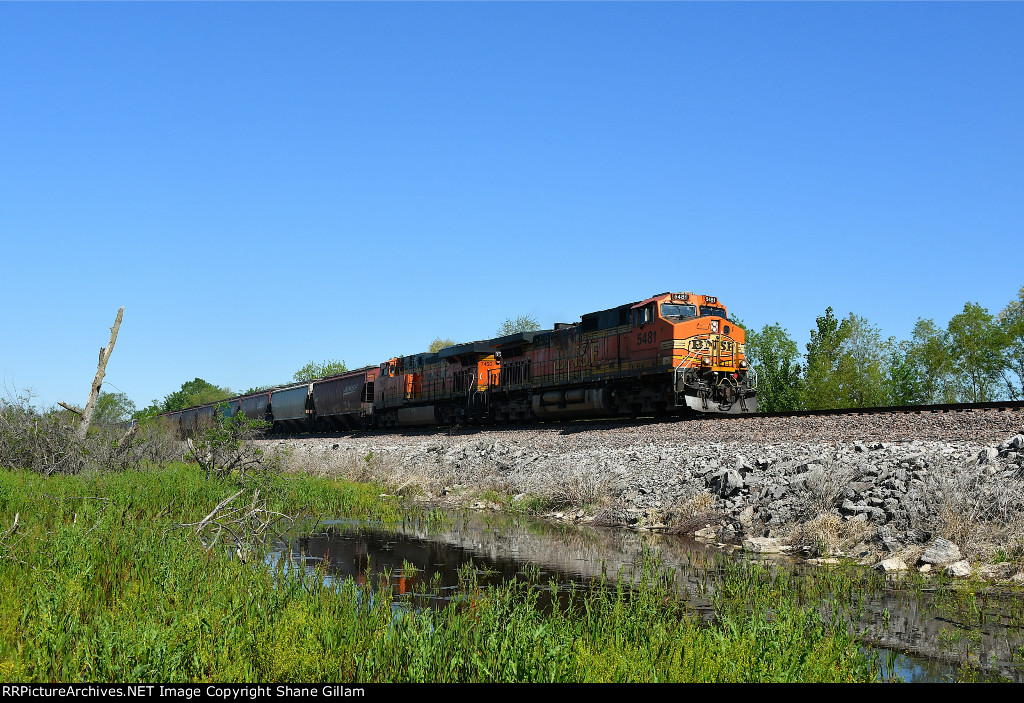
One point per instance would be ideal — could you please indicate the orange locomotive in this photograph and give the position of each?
(673, 353)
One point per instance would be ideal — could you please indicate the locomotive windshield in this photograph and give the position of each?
(708, 310)
(670, 310)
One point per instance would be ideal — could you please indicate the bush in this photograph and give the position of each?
(225, 446)
(45, 441)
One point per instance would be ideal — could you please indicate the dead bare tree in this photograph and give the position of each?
(97, 383)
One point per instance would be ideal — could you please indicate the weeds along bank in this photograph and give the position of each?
(873, 488)
(112, 577)
(145, 571)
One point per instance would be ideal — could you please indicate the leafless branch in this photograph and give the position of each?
(97, 382)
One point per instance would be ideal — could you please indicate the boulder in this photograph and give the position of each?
(887, 539)
(987, 454)
(709, 533)
(746, 517)
(725, 482)
(940, 552)
(891, 565)
(958, 569)
(762, 545)
(914, 536)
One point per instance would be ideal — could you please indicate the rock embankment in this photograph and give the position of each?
(867, 486)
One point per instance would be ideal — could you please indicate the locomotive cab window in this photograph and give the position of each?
(644, 315)
(669, 310)
(706, 310)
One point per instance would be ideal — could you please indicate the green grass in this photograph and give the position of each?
(109, 590)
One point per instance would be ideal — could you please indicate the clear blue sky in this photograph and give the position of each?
(264, 184)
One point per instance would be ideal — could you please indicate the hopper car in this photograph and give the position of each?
(670, 354)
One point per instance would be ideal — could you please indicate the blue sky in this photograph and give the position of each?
(264, 184)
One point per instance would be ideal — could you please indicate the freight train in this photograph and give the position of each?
(673, 353)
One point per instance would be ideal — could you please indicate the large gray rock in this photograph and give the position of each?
(725, 482)
(987, 455)
(707, 534)
(891, 566)
(940, 552)
(958, 569)
(762, 545)
(746, 517)
(888, 540)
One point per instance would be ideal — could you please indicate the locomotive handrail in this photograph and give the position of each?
(676, 373)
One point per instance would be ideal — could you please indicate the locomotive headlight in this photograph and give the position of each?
(706, 361)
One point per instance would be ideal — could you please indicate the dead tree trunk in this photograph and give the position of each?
(97, 383)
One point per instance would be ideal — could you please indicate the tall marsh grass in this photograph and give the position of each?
(97, 584)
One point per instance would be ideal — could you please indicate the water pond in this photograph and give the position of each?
(926, 630)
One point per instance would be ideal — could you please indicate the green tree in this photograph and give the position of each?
(523, 323)
(195, 392)
(977, 345)
(929, 353)
(313, 370)
(903, 382)
(151, 410)
(861, 369)
(822, 385)
(774, 355)
(112, 408)
(438, 344)
(1011, 320)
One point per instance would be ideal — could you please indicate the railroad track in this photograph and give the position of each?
(568, 427)
(999, 406)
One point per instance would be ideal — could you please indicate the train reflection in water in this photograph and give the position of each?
(422, 571)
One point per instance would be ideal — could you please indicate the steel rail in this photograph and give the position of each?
(1001, 406)
(599, 423)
